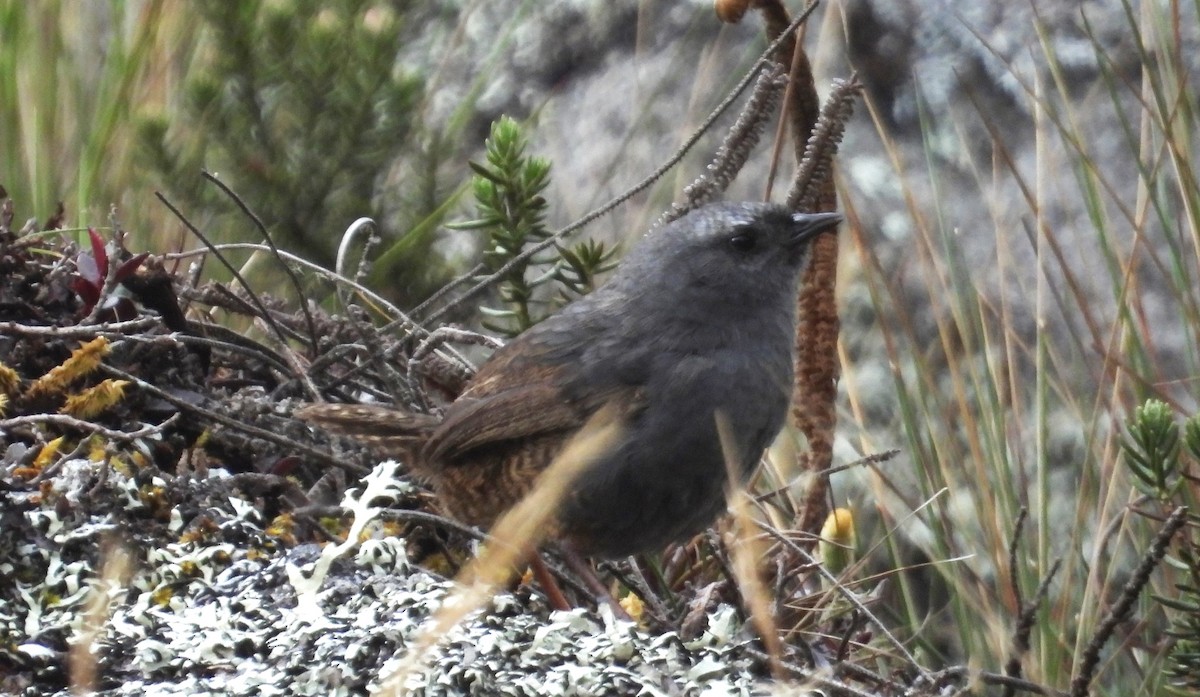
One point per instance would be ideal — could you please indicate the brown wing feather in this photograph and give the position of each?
(520, 393)
(508, 413)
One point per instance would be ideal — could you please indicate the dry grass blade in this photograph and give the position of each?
(513, 537)
(747, 551)
(82, 657)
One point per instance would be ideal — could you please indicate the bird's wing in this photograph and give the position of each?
(546, 380)
(530, 387)
(508, 414)
(515, 394)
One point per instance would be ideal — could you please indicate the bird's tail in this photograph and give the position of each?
(386, 430)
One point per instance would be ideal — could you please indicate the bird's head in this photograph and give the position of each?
(727, 252)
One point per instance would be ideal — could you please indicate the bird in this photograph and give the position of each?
(697, 323)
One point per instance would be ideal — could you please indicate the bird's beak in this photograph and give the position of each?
(809, 225)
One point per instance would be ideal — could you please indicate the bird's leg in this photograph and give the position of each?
(584, 570)
(545, 579)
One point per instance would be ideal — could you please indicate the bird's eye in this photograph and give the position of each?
(744, 242)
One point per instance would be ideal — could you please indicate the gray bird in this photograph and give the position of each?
(698, 320)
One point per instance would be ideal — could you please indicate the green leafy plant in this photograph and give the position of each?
(508, 197)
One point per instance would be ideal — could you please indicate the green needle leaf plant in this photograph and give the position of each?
(511, 211)
(1152, 450)
(1166, 473)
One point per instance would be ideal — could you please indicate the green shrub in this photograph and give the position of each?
(299, 106)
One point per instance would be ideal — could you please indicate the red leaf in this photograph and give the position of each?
(128, 268)
(98, 252)
(87, 291)
(284, 465)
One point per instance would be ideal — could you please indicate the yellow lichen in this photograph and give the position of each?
(9, 380)
(48, 453)
(82, 361)
(95, 400)
(283, 528)
(633, 606)
(162, 595)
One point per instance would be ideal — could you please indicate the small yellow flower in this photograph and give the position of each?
(838, 540)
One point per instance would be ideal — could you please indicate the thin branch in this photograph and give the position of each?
(64, 421)
(1028, 613)
(265, 314)
(1124, 605)
(444, 335)
(234, 425)
(819, 677)
(52, 469)
(847, 594)
(401, 320)
(962, 672)
(105, 329)
(262, 229)
(234, 346)
(376, 299)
